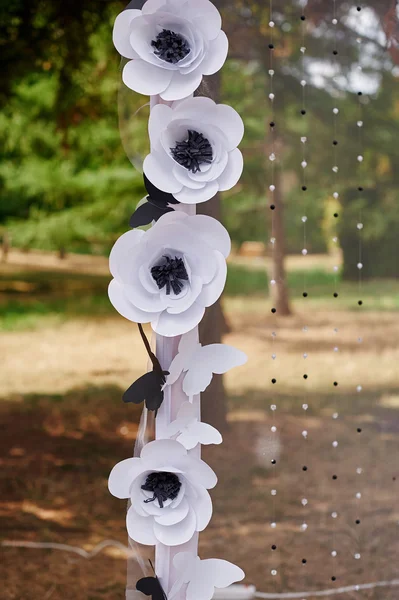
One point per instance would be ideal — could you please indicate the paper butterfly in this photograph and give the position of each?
(191, 430)
(157, 204)
(203, 576)
(200, 363)
(149, 387)
(150, 586)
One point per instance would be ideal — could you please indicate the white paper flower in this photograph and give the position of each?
(202, 576)
(168, 493)
(190, 431)
(169, 274)
(194, 150)
(199, 363)
(171, 44)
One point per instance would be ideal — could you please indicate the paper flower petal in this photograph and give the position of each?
(173, 516)
(231, 175)
(145, 78)
(191, 244)
(216, 58)
(170, 325)
(149, 72)
(192, 181)
(122, 476)
(119, 301)
(121, 32)
(178, 534)
(140, 529)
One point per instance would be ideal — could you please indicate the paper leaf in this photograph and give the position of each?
(157, 196)
(201, 363)
(146, 213)
(190, 431)
(203, 576)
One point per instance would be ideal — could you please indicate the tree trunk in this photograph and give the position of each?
(211, 330)
(5, 246)
(279, 290)
(213, 325)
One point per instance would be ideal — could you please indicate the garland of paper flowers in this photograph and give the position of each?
(168, 275)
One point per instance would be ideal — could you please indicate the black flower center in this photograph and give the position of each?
(170, 273)
(193, 152)
(170, 46)
(166, 486)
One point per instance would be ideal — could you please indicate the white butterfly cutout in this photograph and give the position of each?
(203, 576)
(200, 363)
(189, 429)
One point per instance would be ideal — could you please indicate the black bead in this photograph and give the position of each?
(274, 380)
(335, 52)
(274, 547)
(272, 124)
(305, 376)
(358, 8)
(360, 302)
(304, 468)
(357, 521)
(272, 207)
(336, 215)
(333, 578)
(360, 93)
(304, 561)
(335, 295)
(335, 477)
(360, 189)
(274, 310)
(271, 46)
(305, 294)
(335, 143)
(359, 430)
(273, 461)
(335, 383)
(303, 112)
(303, 18)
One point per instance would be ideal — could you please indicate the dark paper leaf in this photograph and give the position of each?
(158, 197)
(146, 213)
(148, 389)
(136, 4)
(150, 586)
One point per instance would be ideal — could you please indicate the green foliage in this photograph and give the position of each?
(65, 181)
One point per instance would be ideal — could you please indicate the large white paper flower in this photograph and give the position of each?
(171, 44)
(169, 274)
(168, 493)
(194, 150)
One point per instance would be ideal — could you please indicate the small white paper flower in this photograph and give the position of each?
(190, 431)
(194, 150)
(171, 44)
(203, 576)
(169, 274)
(201, 362)
(168, 493)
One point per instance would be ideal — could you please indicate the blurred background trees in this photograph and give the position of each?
(65, 182)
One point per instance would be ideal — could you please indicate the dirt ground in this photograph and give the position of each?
(332, 489)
